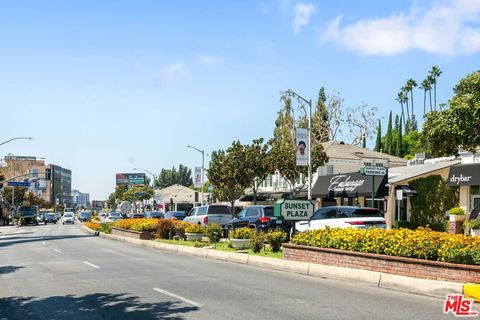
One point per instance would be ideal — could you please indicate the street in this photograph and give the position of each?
(60, 272)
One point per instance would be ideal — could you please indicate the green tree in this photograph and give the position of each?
(412, 144)
(138, 194)
(283, 149)
(169, 177)
(320, 119)
(222, 174)
(378, 143)
(111, 201)
(425, 86)
(388, 139)
(401, 99)
(447, 131)
(255, 166)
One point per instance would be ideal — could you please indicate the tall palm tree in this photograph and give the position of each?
(405, 90)
(430, 82)
(410, 85)
(400, 98)
(435, 73)
(425, 86)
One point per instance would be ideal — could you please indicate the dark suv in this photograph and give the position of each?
(28, 215)
(260, 218)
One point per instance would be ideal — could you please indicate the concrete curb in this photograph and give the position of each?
(425, 287)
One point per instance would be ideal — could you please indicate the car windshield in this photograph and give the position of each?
(84, 214)
(67, 215)
(26, 211)
(218, 210)
(366, 213)
(114, 214)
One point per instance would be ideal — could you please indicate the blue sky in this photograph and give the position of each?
(105, 86)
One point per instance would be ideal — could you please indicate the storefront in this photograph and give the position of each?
(467, 177)
(350, 189)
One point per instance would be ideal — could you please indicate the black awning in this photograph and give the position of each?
(349, 185)
(464, 175)
(249, 198)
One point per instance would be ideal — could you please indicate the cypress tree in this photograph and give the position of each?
(389, 140)
(378, 143)
(364, 142)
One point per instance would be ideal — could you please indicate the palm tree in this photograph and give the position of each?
(425, 86)
(410, 85)
(435, 73)
(401, 99)
(405, 90)
(430, 82)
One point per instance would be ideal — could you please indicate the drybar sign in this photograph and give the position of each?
(294, 209)
(464, 175)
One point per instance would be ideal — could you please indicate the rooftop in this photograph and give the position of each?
(340, 150)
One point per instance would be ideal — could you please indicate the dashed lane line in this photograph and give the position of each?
(173, 295)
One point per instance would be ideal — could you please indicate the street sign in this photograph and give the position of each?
(399, 194)
(294, 210)
(18, 184)
(373, 171)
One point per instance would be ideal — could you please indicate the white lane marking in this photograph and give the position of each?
(44, 243)
(91, 264)
(173, 295)
(56, 250)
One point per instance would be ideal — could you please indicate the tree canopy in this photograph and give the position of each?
(168, 177)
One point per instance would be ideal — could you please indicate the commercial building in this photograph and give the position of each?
(80, 199)
(466, 176)
(60, 187)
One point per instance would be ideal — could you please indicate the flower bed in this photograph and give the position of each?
(146, 224)
(422, 243)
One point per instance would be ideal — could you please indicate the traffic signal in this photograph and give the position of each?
(48, 174)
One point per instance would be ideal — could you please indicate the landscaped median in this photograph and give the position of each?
(394, 259)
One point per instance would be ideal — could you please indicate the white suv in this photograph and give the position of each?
(215, 213)
(68, 218)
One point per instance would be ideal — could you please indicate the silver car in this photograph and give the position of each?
(68, 218)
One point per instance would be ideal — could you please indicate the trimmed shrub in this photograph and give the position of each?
(422, 243)
(214, 232)
(242, 233)
(166, 229)
(257, 242)
(474, 224)
(194, 228)
(413, 225)
(275, 239)
(457, 211)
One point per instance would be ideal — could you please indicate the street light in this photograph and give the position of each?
(309, 102)
(154, 176)
(17, 138)
(203, 164)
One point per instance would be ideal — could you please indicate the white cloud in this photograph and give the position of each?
(302, 13)
(447, 28)
(172, 71)
(209, 60)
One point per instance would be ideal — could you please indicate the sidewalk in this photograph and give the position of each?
(433, 288)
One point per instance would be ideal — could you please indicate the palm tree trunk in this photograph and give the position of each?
(403, 116)
(435, 94)
(411, 96)
(424, 102)
(408, 110)
(430, 98)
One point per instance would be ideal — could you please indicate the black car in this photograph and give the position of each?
(175, 215)
(28, 215)
(49, 218)
(260, 218)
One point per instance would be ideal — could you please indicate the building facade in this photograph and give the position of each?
(59, 188)
(80, 199)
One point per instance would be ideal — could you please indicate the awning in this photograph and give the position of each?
(349, 185)
(464, 175)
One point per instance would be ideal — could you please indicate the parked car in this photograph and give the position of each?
(84, 216)
(175, 215)
(154, 214)
(57, 216)
(40, 217)
(68, 218)
(215, 213)
(113, 216)
(260, 218)
(49, 218)
(343, 217)
(102, 214)
(28, 215)
(137, 216)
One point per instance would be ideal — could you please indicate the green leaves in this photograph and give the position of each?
(169, 177)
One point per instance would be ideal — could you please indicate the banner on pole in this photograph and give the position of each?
(197, 181)
(302, 146)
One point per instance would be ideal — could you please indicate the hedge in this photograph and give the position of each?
(422, 243)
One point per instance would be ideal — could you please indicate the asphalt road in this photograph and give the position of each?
(59, 272)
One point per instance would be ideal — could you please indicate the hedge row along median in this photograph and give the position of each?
(422, 243)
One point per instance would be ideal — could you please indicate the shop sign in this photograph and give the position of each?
(464, 175)
(343, 182)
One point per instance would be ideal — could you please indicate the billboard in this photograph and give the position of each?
(302, 146)
(130, 179)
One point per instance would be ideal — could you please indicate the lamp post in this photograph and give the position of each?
(153, 175)
(203, 165)
(309, 102)
(16, 138)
